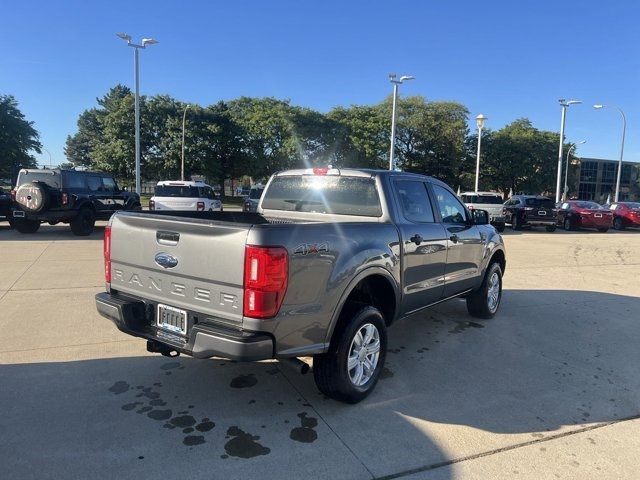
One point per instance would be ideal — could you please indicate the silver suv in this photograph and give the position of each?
(489, 201)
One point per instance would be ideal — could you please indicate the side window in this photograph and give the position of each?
(74, 181)
(94, 183)
(450, 207)
(109, 184)
(414, 201)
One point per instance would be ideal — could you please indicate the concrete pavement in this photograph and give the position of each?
(548, 389)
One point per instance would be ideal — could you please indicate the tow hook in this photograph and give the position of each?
(157, 347)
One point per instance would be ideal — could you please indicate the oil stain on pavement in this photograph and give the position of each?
(244, 445)
(305, 433)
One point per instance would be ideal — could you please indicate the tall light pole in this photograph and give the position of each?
(184, 119)
(480, 119)
(136, 75)
(564, 104)
(624, 129)
(566, 171)
(392, 79)
(49, 153)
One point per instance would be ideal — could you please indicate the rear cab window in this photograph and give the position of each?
(485, 199)
(52, 179)
(178, 191)
(330, 194)
(539, 202)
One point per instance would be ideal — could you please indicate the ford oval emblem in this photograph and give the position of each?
(166, 260)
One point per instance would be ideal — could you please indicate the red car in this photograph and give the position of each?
(625, 214)
(575, 214)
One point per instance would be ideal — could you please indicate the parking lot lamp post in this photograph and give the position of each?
(480, 119)
(564, 104)
(48, 153)
(184, 118)
(566, 167)
(136, 74)
(624, 129)
(396, 82)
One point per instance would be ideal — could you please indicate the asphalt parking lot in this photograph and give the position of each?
(550, 388)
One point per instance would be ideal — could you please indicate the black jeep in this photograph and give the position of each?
(5, 206)
(68, 196)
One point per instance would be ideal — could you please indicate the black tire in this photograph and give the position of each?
(84, 223)
(53, 223)
(478, 304)
(24, 225)
(500, 227)
(330, 369)
(550, 228)
(516, 223)
(617, 223)
(567, 224)
(603, 230)
(32, 197)
(136, 207)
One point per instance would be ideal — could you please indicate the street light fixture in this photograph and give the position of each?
(396, 82)
(566, 172)
(48, 153)
(624, 129)
(184, 118)
(480, 119)
(136, 70)
(564, 104)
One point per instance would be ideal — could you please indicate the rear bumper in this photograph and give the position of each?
(134, 317)
(50, 216)
(541, 221)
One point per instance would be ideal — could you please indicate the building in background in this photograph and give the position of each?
(596, 180)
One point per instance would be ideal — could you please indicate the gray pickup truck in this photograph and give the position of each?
(330, 260)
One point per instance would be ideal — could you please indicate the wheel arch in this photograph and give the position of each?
(373, 286)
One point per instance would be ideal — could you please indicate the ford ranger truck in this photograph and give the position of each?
(329, 261)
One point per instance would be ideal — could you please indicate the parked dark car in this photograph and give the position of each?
(530, 210)
(574, 214)
(625, 214)
(5, 206)
(78, 198)
(253, 199)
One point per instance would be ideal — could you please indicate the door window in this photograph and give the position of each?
(414, 201)
(451, 210)
(109, 184)
(94, 183)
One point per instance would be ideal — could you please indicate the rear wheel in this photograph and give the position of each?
(24, 225)
(568, 225)
(500, 227)
(516, 223)
(350, 370)
(484, 302)
(83, 224)
(617, 223)
(603, 230)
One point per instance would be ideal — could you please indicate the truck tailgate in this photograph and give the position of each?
(209, 273)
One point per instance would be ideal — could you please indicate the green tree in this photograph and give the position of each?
(18, 138)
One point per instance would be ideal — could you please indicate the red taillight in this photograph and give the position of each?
(106, 252)
(320, 171)
(152, 205)
(65, 199)
(246, 207)
(265, 280)
(200, 206)
(471, 207)
(13, 194)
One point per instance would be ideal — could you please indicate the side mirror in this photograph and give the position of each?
(480, 217)
(125, 189)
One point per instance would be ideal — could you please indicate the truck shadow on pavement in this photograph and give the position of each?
(550, 362)
(47, 233)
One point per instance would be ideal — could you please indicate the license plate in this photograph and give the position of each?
(541, 212)
(18, 213)
(597, 215)
(172, 319)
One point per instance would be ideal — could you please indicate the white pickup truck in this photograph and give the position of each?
(185, 195)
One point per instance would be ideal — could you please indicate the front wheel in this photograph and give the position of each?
(350, 370)
(484, 302)
(516, 223)
(617, 223)
(568, 226)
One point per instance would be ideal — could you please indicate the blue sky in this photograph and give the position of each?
(505, 59)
